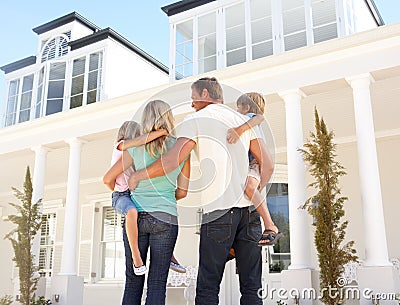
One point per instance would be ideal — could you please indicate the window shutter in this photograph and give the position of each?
(58, 244)
(86, 241)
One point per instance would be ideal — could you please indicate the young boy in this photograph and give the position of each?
(252, 104)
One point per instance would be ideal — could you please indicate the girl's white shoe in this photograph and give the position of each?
(139, 270)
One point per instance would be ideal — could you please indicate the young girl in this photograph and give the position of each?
(129, 136)
(252, 104)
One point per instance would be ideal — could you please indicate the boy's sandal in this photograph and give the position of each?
(139, 270)
(271, 236)
(177, 267)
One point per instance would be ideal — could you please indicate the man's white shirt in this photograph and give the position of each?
(224, 166)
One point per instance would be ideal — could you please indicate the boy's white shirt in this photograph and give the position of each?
(224, 166)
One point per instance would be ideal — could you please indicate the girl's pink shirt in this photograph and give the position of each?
(121, 182)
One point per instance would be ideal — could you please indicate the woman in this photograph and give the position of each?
(155, 200)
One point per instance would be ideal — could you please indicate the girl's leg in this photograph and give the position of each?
(132, 233)
(259, 202)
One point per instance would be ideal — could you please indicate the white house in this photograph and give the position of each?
(336, 55)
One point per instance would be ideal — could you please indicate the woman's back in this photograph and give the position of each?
(157, 194)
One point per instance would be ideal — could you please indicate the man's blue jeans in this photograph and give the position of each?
(239, 228)
(160, 236)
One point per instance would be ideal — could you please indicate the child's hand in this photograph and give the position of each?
(132, 182)
(232, 136)
(164, 132)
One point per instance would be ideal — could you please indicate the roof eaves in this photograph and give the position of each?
(74, 16)
(182, 6)
(110, 33)
(375, 12)
(19, 64)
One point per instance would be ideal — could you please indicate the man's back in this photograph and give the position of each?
(224, 166)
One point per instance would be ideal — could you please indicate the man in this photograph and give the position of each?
(229, 219)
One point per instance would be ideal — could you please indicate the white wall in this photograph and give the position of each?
(363, 17)
(126, 72)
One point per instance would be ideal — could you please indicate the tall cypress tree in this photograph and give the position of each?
(326, 206)
(27, 221)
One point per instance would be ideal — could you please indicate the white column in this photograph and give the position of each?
(38, 190)
(298, 218)
(376, 253)
(68, 259)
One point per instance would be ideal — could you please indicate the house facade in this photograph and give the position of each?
(65, 104)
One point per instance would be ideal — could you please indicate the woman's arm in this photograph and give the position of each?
(236, 132)
(142, 140)
(118, 168)
(183, 181)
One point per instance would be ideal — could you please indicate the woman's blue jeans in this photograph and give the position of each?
(239, 228)
(160, 236)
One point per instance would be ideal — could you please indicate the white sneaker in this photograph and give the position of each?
(177, 267)
(139, 270)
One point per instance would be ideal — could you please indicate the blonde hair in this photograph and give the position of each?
(127, 131)
(254, 100)
(157, 115)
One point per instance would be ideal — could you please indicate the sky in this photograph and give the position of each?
(141, 22)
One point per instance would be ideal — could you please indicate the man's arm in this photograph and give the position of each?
(142, 140)
(182, 184)
(260, 152)
(166, 164)
(234, 133)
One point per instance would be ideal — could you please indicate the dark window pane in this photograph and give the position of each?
(92, 81)
(77, 85)
(76, 101)
(79, 66)
(24, 115)
(57, 71)
(54, 106)
(27, 84)
(94, 62)
(91, 97)
(26, 99)
(56, 89)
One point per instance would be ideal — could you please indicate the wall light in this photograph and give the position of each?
(18, 297)
(57, 298)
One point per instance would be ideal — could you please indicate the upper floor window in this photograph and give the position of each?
(55, 47)
(247, 30)
(184, 49)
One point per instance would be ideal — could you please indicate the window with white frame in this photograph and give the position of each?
(47, 237)
(207, 43)
(12, 102)
(261, 28)
(294, 24)
(86, 79)
(39, 94)
(324, 25)
(55, 87)
(184, 49)
(56, 47)
(77, 84)
(112, 246)
(278, 205)
(94, 77)
(26, 99)
(235, 32)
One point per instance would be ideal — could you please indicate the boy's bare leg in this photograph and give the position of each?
(260, 204)
(132, 233)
